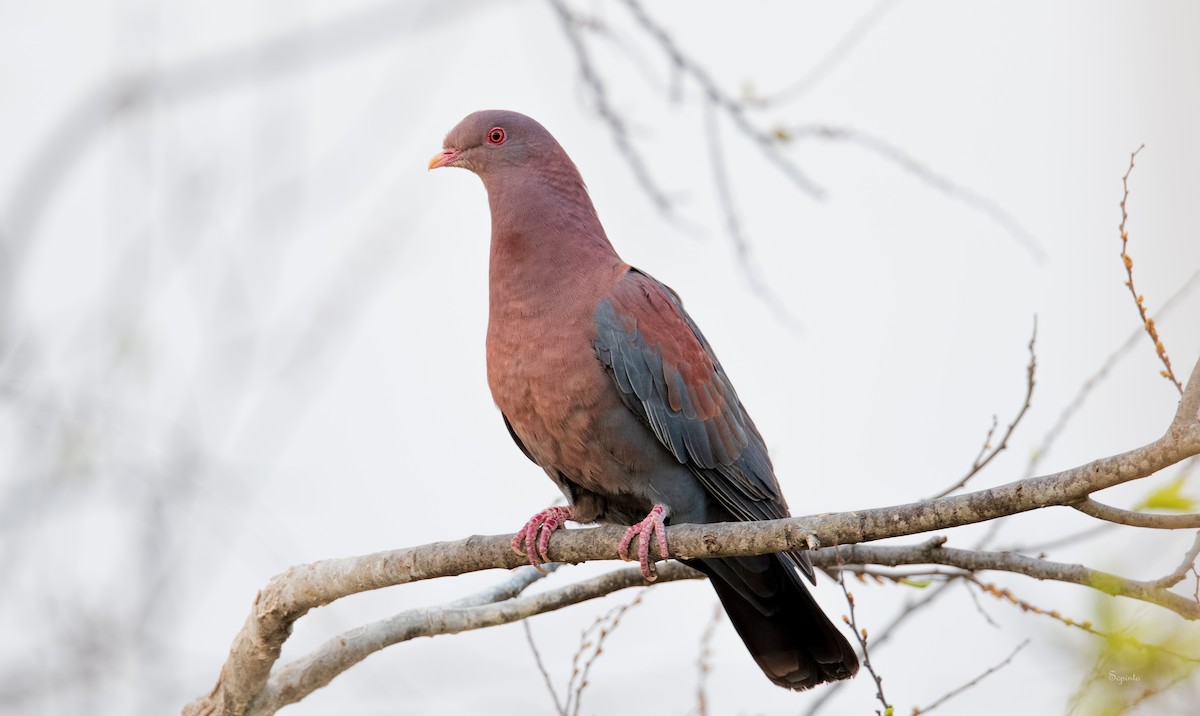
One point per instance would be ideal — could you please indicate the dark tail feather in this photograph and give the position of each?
(785, 630)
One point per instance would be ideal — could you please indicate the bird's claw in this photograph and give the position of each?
(533, 540)
(652, 525)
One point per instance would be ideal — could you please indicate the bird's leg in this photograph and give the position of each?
(533, 540)
(653, 524)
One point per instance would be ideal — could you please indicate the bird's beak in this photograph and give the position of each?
(444, 158)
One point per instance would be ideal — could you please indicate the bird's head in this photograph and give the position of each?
(493, 140)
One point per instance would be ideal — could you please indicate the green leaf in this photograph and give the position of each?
(1168, 497)
(918, 583)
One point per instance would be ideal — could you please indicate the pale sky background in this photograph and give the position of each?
(247, 330)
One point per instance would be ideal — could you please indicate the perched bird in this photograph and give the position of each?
(606, 383)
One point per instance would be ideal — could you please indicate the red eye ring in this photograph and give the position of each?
(496, 135)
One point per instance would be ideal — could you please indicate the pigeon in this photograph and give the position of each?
(605, 382)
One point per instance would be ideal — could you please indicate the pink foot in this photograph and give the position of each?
(533, 540)
(652, 525)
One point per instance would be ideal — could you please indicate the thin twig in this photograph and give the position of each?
(703, 662)
(1041, 548)
(985, 205)
(932, 551)
(733, 225)
(1151, 520)
(765, 140)
(986, 456)
(911, 608)
(1006, 595)
(972, 682)
(982, 612)
(603, 107)
(1151, 691)
(840, 51)
(1188, 564)
(607, 625)
(1060, 424)
(537, 658)
(1138, 299)
(860, 633)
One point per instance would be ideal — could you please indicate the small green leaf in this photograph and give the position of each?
(1168, 497)
(918, 583)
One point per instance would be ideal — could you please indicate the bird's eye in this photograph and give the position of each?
(496, 136)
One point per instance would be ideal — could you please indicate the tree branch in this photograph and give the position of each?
(1138, 299)
(243, 682)
(298, 679)
(1136, 519)
(931, 552)
(985, 455)
(910, 609)
(603, 107)
(972, 682)
(906, 162)
(860, 635)
(1060, 424)
(733, 109)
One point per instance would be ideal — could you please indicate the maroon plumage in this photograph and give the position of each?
(606, 383)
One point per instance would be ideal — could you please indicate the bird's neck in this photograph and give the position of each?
(546, 239)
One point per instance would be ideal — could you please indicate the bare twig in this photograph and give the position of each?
(1138, 299)
(1006, 595)
(832, 59)
(1059, 541)
(911, 608)
(537, 658)
(1188, 564)
(733, 225)
(985, 455)
(982, 612)
(703, 665)
(987, 206)
(931, 552)
(972, 682)
(764, 140)
(1060, 424)
(603, 627)
(603, 107)
(280, 54)
(1136, 519)
(1151, 691)
(860, 633)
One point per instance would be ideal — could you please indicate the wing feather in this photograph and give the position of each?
(670, 378)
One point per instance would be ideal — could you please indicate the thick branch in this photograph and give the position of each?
(290, 595)
(298, 679)
(502, 604)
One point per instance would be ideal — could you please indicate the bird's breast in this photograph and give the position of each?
(546, 379)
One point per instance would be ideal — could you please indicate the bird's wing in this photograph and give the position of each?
(671, 380)
(513, 434)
